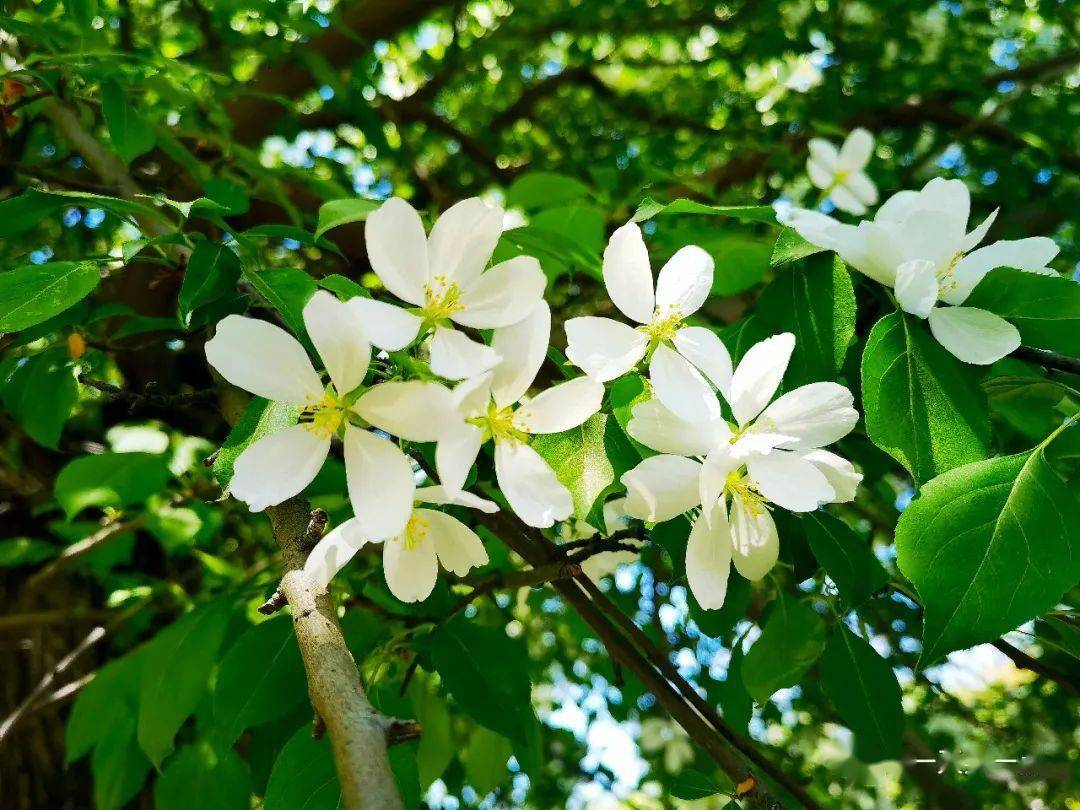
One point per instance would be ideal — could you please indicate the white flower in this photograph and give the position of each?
(771, 455)
(269, 362)
(487, 404)
(680, 357)
(840, 172)
(918, 243)
(411, 556)
(443, 277)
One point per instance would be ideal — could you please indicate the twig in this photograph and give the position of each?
(103, 536)
(1047, 359)
(1025, 661)
(150, 398)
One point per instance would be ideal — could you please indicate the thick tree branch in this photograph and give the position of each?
(1048, 360)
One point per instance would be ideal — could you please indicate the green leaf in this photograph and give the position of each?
(17, 551)
(202, 778)
(1059, 633)
(988, 546)
(650, 208)
(437, 748)
(118, 766)
(82, 11)
(1045, 309)
(344, 288)
(260, 679)
(864, 690)
(792, 638)
(40, 394)
(211, 274)
(922, 406)
(536, 190)
(691, 784)
(589, 460)
(109, 479)
(175, 675)
(735, 702)
(552, 249)
(817, 304)
(287, 290)
(231, 196)
(790, 247)
(623, 395)
(303, 776)
(34, 293)
(261, 418)
(341, 212)
(271, 231)
(485, 672)
(113, 691)
(847, 559)
(131, 134)
(485, 760)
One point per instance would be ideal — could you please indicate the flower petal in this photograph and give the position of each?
(707, 352)
(978, 234)
(503, 295)
(463, 239)
(857, 150)
(627, 274)
(661, 488)
(397, 249)
(457, 546)
(681, 387)
(718, 465)
(684, 282)
(862, 188)
(844, 200)
(339, 338)
(825, 155)
(659, 429)
(789, 480)
(560, 407)
(439, 494)
(263, 359)
(838, 471)
(758, 376)
(952, 196)
(387, 326)
(278, 466)
(411, 572)
(530, 485)
(974, 335)
(1032, 254)
(416, 410)
(755, 545)
(708, 558)
(455, 356)
(603, 348)
(380, 483)
(332, 553)
(916, 287)
(522, 348)
(455, 454)
(812, 415)
(472, 396)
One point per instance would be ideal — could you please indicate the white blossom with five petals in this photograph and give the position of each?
(493, 406)
(839, 172)
(681, 358)
(770, 455)
(269, 362)
(919, 245)
(442, 275)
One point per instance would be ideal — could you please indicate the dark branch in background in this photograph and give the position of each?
(150, 398)
(103, 536)
(1049, 360)
(1024, 661)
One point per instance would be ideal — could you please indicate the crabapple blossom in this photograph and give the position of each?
(839, 172)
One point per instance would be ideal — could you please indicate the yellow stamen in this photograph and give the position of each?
(326, 416)
(663, 327)
(442, 298)
(739, 486)
(946, 278)
(498, 424)
(415, 532)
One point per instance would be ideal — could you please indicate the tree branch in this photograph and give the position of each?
(1050, 360)
(150, 398)
(103, 536)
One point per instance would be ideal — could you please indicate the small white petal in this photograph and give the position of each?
(380, 483)
(522, 348)
(820, 174)
(812, 415)
(472, 396)
(856, 151)
(455, 356)
(1030, 254)
(659, 429)
(339, 338)
(718, 465)
(455, 454)
(707, 352)
(627, 274)
(603, 348)
(708, 558)
(530, 486)
(974, 335)
(457, 546)
(387, 326)
(503, 295)
(661, 488)
(844, 200)
(397, 249)
(463, 239)
(976, 236)
(838, 471)
(755, 543)
(790, 481)
(263, 359)
(332, 553)
(916, 287)
(439, 494)
(681, 387)
(411, 572)
(823, 153)
(278, 466)
(862, 188)
(758, 376)
(560, 407)
(416, 410)
(952, 196)
(684, 282)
